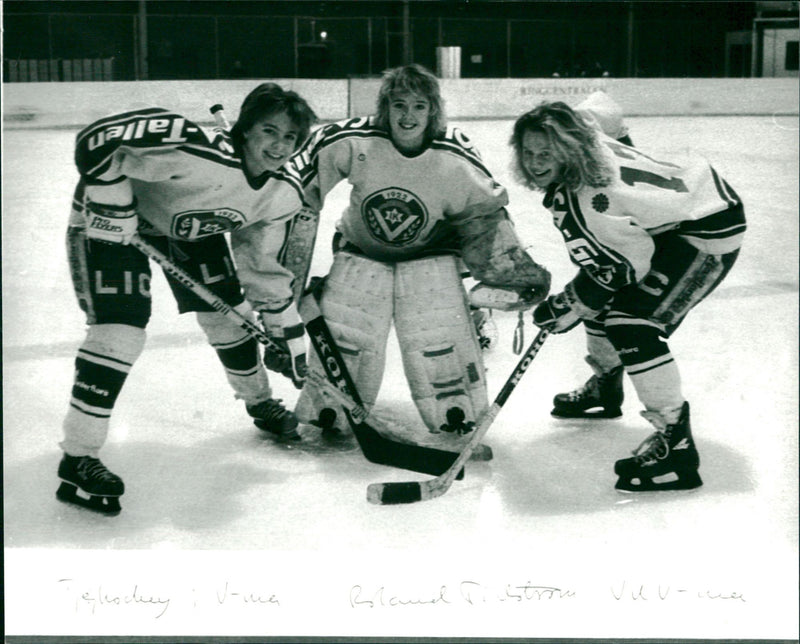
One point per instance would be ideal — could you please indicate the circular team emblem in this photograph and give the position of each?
(394, 216)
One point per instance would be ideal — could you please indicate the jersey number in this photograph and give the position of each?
(632, 176)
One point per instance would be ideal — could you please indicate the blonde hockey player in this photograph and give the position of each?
(651, 237)
(155, 173)
(421, 199)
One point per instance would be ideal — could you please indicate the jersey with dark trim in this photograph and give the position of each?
(400, 207)
(609, 230)
(189, 183)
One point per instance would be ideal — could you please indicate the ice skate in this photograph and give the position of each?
(86, 482)
(666, 460)
(600, 397)
(271, 416)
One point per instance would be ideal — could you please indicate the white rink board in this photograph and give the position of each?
(78, 104)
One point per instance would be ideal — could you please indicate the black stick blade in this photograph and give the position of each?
(394, 493)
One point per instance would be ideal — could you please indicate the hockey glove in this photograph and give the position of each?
(110, 212)
(286, 330)
(115, 224)
(581, 299)
(555, 314)
(483, 296)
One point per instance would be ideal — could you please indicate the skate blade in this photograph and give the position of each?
(105, 505)
(676, 483)
(283, 437)
(589, 415)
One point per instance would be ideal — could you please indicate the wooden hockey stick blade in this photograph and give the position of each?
(375, 447)
(395, 493)
(379, 449)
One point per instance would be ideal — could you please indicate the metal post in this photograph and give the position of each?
(508, 49)
(296, 51)
(369, 45)
(406, 33)
(216, 47)
(629, 64)
(142, 50)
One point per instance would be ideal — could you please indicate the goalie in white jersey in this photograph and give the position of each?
(154, 173)
(421, 201)
(652, 237)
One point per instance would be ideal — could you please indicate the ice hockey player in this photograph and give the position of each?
(652, 237)
(181, 188)
(421, 200)
(603, 394)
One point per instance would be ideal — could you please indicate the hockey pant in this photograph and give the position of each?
(440, 351)
(112, 284)
(641, 317)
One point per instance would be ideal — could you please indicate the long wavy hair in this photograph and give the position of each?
(574, 143)
(417, 79)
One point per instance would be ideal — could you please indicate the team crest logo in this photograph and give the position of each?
(194, 224)
(600, 202)
(394, 216)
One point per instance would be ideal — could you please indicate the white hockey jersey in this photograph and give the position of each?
(189, 184)
(609, 231)
(401, 207)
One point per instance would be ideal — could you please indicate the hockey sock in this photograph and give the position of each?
(599, 347)
(648, 361)
(103, 362)
(238, 353)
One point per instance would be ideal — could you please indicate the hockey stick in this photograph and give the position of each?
(376, 448)
(412, 491)
(205, 294)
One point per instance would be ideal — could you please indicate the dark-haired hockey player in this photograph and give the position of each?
(421, 199)
(158, 174)
(651, 237)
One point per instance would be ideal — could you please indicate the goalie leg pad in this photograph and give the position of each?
(441, 353)
(357, 305)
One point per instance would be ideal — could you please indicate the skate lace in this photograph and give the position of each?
(92, 468)
(654, 447)
(585, 391)
(271, 409)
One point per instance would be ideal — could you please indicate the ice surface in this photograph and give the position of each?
(212, 505)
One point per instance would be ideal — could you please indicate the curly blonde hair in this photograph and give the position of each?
(574, 143)
(417, 79)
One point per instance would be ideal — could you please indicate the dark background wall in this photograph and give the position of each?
(196, 39)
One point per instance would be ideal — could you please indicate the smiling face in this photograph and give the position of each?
(409, 114)
(269, 143)
(538, 159)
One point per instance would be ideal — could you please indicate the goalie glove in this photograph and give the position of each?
(110, 213)
(483, 296)
(286, 330)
